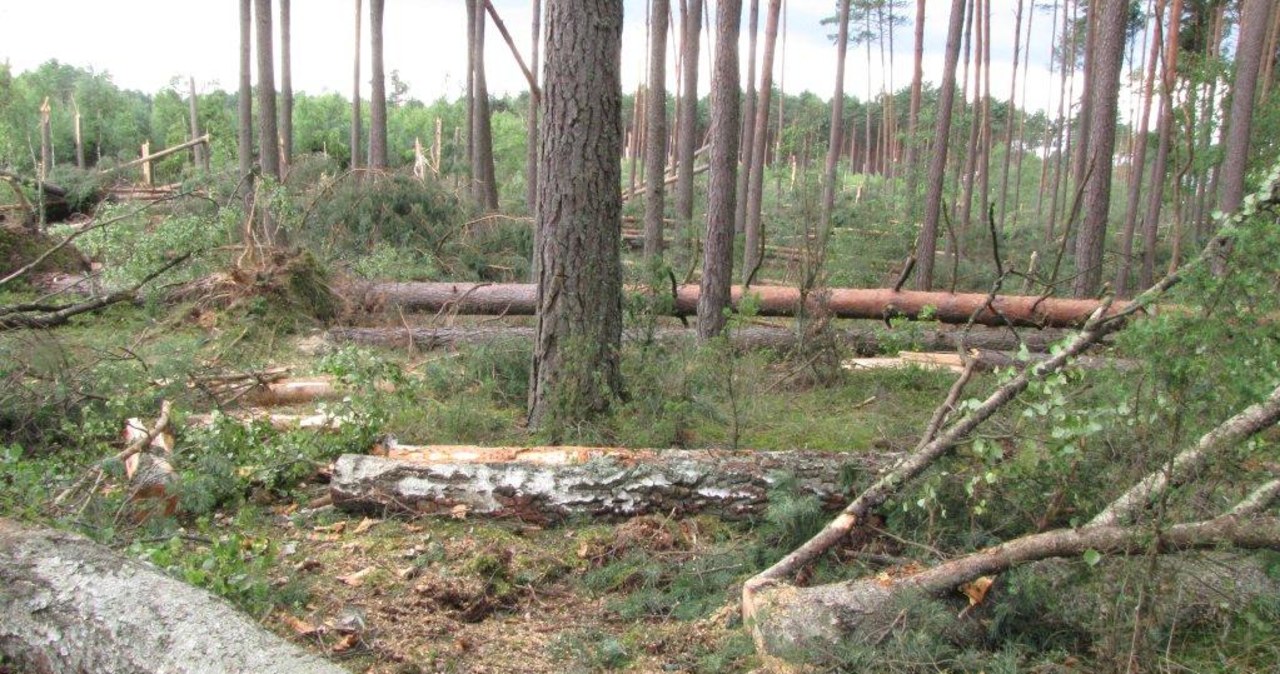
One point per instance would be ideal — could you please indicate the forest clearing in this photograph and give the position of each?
(688, 377)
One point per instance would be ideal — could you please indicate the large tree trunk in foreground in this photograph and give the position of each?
(514, 299)
(70, 605)
(867, 341)
(551, 484)
(576, 367)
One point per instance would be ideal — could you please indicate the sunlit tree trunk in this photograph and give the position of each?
(717, 259)
(941, 138)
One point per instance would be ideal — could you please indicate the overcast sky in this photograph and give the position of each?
(144, 44)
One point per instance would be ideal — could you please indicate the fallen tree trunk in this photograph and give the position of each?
(552, 484)
(68, 604)
(864, 341)
(869, 303)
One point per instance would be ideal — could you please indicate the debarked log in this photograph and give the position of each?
(868, 303)
(862, 341)
(68, 604)
(552, 484)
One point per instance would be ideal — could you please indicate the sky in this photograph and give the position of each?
(146, 44)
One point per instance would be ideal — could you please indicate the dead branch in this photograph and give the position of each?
(49, 316)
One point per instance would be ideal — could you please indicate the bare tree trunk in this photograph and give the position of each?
(355, 96)
(1138, 166)
(377, 89)
(1066, 92)
(535, 104)
(1049, 135)
(576, 370)
(193, 111)
(1108, 60)
(656, 147)
(286, 88)
(1008, 135)
(473, 7)
(244, 102)
(754, 248)
(688, 142)
(484, 181)
(268, 136)
(1022, 119)
(837, 123)
(941, 139)
(1253, 31)
(1164, 125)
(749, 112)
(913, 114)
(1084, 121)
(717, 260)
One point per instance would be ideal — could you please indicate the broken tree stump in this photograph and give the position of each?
(552, 484)
(68, 604)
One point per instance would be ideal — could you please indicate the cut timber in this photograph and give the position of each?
(68, 604)
(299, 390)
(551, 484)
(864, 341)
(872, 303)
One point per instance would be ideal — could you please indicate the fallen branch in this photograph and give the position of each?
(68, 604)
(36, 316)
(137, 443)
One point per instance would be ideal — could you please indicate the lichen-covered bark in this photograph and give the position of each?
(68, 604)
(576, 369)
(553, 484)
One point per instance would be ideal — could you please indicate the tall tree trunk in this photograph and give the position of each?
(749, 112)
(1062, 143)
(1084, 121)
(1138, 166)
(1107, 64)
(377, 89)
(1009, 121)
(484, 182)
(576, 371)
(1164, 126)
(193, 110)
(355, 96)
(690, 34)
(656, 148)
(1022, 120)
(754, 248)
(837, 123)
(1253, 31)
(286, 88)
(473, 7)
(531, 129)
(1049, 135)
(717, 259)
(1266, 78)
(913, 113)
(244, 101)
(984, 136)
(268, 137)
(941, 139)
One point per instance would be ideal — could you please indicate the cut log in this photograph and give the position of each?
(869, 303)
(68, 604)
(864, 341)
(552, 484)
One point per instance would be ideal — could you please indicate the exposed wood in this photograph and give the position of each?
(551, 484)
(280, 422)
(864, 341)
(871, 303)
(155, 156)
(68, 604)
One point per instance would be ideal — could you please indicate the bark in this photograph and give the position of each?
(70, 605)
(268, 136)
(286, 87)
(1164, 130)
(1253, 31)
(655, 150)
(517, 299)
(535, 106)
(355, 95)
(1008, 136)
(717, 260)
(941, 140)
(754, 245)
(688, 120)
(1138, 166)
(746, 144)
(837, 122)
(46, 140)
(1104, 80)
(200, 150)
(377, 90)
(862, 341)
(552, 484)
(576, 369)
(244, 100)
(484, 186)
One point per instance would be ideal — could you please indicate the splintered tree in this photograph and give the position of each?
(576, 371)
(717, 259)
(377, 90)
